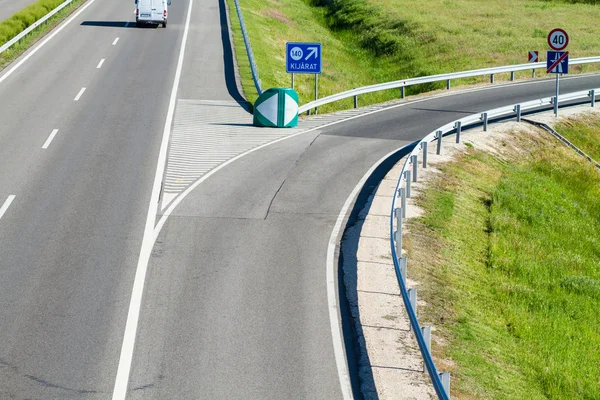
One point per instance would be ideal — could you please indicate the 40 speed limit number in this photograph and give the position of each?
(558, 39)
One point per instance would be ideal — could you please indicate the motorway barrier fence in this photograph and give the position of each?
(409, 172)
(33, 26)
(253, 67)
(401, 84)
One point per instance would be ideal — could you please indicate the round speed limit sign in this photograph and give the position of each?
(558, 39)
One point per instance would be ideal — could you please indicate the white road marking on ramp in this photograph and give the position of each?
(79, 94)
(50, 138)
(6, 205)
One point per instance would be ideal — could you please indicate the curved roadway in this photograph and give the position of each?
(235, 302)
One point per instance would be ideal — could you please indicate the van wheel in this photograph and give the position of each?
(165, 23)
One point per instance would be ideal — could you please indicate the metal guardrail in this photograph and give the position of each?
(441, 382)
(33, 26)
(253, 67)
(435, 78)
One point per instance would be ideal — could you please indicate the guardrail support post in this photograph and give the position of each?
(512, 75)
(484, 118)
(533, 73)
(402, 92)
(458, 126)
(424, 147)
(593, 96)
(412, 296)
(402, 195)
(448, 84)
(445, 378)
(407, 178)
(398, 233)
(402, 262)
(492, 78)
(518, 111)
(439, 135)
(415, 164)
(426, 331)
(355, 101)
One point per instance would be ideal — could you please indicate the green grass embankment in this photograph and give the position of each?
(21, 20)
(508, 256)
(373, 41)
(583, 132)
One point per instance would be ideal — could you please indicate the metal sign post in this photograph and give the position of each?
(304, 58)
(557, 61)
(556, 97)
(532, 57)
(316, 90)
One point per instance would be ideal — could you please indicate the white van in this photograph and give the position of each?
(151, 11)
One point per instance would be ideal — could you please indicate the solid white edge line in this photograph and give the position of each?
(79, 94)
(6, 204)
(100, 64)
(339, 352)
(50, 138)
(336, 337)
(334, 311)
(115, 42)
(338, 347)
(133, 315)
(54, 33)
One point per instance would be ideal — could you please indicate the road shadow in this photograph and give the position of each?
(114, 24)
(239, 125)
(229, 66)
(359, 364)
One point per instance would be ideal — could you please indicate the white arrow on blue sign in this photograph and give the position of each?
(303, 58)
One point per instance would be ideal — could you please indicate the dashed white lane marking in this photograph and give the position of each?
(50, 138)
(100, 64)
(79, 94)
(115, 42)
(6, 205)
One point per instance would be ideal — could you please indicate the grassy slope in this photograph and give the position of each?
(583, 132)
(14, 25)
(514, 284)
(21, 20)
(272, 23)
(373, 41)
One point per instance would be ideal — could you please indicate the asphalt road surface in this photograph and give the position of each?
(235, 302)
